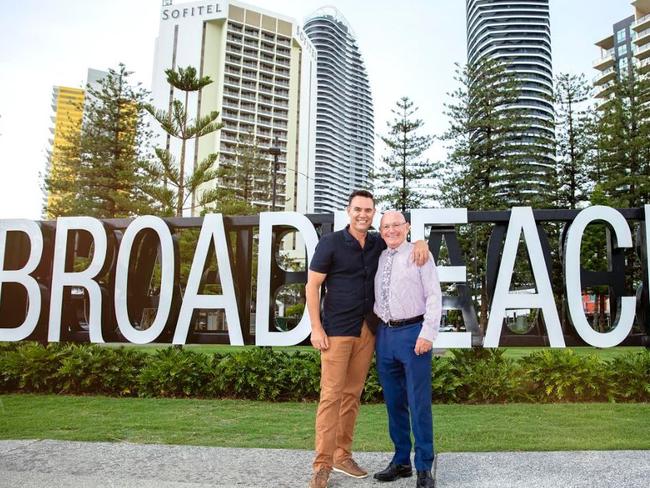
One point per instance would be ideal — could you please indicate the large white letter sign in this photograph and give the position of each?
(263, 337)
(33, 232)
(212, 230)
(522, 219)
(84, 279)
(446, 274)
(158, 225)
(574, 285)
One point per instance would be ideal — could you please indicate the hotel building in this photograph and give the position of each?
(627, 45)
(263, 69)
(518, 33)
(344, 114)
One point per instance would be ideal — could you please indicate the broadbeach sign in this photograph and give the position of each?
(38, 274)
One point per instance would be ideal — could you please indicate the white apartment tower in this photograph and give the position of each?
(518, 33)
(263, 69)
(628, 44)
(344, 115)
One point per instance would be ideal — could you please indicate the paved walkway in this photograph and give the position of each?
(55, 464)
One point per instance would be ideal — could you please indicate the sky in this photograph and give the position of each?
(410, 49)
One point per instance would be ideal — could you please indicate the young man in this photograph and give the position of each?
(409, 302)
(346, 261)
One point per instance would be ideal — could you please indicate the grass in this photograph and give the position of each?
(233, 423)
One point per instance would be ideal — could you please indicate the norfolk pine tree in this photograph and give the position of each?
(622, 169)
(177, 187)
(575, 140)
(245, 181)
(101, 168)
(401, 178)
(484, 153)
(481, 154)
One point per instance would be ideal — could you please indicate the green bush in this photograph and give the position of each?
(630, 375)
(300, 377)
(466, 375)
(32, 367)
(484, 376)
(445, 382)
(90, 368)
(372, 391)
(263, 374)
(560, 375)
(175, 372)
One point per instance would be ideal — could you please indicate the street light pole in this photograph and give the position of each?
(275, 151)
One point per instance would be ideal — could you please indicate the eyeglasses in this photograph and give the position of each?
(391, 226)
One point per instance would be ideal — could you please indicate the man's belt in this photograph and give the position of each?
(403, 322)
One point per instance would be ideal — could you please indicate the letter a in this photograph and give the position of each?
(522, 219)
(212, 230)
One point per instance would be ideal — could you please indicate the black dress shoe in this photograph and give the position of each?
(425, 480)
(394, 471)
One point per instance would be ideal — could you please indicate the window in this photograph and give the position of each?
(620, 36)
(622, 64)
(622, 50)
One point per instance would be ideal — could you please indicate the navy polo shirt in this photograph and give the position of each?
(350, 281)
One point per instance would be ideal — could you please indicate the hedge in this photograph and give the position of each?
(464, 376)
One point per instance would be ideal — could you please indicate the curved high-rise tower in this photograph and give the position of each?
(344, 112)
(518, 32)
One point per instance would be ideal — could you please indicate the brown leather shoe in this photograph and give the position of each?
(351, 468)
(320, 478)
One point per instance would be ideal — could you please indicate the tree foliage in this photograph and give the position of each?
(401, 180)
(622, 170)
(575, 141)
(245, 181)
(178, 186)
(100, 170)
(494, 160)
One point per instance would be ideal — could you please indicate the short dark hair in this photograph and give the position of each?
(361, 193)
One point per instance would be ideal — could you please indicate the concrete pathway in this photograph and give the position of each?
(55, 464)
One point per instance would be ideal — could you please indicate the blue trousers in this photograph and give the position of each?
(406, 380)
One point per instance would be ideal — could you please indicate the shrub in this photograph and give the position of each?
(300, 376)
(630, 374)
(175, 372)
(554, 375)
(32, 367)
(255, 373)
(444, 381)
(90, 368)
(372, 390)
(484, 376)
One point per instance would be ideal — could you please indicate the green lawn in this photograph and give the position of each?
(233, 423)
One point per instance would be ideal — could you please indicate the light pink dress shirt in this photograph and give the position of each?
(414, 290)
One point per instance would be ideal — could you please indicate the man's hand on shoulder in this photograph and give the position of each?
(319, 339)
(420, 254)
(422, 346)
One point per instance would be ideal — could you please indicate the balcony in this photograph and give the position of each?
(605, 62)
(644, 66)
(642, 37)
(605, 90)
(605, 76)
(642, 52)
(641, 23)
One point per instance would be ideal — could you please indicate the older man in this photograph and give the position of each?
(345, 261)
(409, 302)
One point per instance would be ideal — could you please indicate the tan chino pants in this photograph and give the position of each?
(344, 367)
